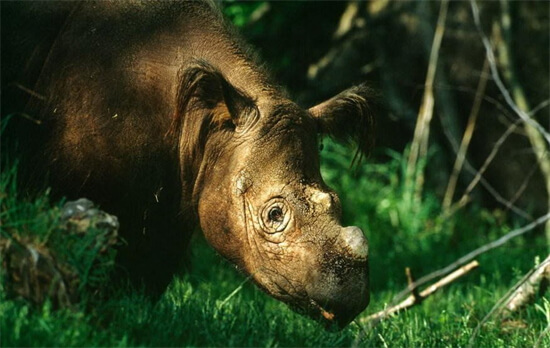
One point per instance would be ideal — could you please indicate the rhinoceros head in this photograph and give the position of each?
(261, 201)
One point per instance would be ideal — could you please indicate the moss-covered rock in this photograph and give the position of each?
(72, 261)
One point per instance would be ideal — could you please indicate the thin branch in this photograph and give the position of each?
(347, 20)
(496, 77)
(30, 91)
(526, 293)
(523, 185)
(535, 136)
(478, 177)
(259, 13)
(410, 282)
(539, 107)
(465, 199)
(478, 173)
(234, 292)
(495, 102)
(416, 300)
(489, 159)
(27, 117)
(497, 196)
(427, 106)
(467, 137)
(421, 133)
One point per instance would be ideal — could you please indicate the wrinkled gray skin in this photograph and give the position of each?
(159, 114)
(304, 257)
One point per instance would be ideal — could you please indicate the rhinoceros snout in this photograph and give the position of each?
(341, 296)
(340, 291)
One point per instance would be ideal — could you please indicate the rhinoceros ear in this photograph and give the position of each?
(347, 116)
(204, 93)
(206, 102)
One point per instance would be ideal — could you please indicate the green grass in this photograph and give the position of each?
(214, 305)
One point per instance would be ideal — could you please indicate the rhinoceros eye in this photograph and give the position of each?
(275, 215)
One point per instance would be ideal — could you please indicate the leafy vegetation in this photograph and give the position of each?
(214, 305)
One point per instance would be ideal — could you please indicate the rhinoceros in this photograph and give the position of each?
(161, 114)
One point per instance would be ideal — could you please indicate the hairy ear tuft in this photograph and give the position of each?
(348, 117)
(203, 88)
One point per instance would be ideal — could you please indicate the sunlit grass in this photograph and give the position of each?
(214, 305)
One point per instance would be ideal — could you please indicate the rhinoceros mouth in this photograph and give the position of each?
(312, 309)
(323, 315)
(327, 315)
(332, 317)
(330, 320)
(302, 304)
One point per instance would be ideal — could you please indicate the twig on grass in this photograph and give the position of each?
(410, 282)
(536, 282)
(413, 300)
(505, 300)
(234, 292)
(473, 254)
(396, 302)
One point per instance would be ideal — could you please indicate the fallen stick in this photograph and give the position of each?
(526, 293)
(473, 254)
(413, 300)
(504, 301)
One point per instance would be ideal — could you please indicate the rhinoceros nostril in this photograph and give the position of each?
(355, 242)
